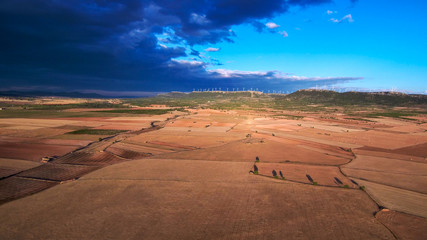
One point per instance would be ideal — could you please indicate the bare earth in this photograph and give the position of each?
(192, 175)
(181, 199)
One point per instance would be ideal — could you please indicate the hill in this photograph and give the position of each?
(309, 96)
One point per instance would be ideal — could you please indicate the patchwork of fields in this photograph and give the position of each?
(212, 174)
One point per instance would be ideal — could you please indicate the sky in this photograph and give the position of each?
(142, 47)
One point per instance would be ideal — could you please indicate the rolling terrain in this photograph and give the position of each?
(215, 165)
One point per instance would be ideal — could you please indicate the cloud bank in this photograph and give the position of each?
(134, 44)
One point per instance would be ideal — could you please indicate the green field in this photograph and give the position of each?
(140, 111)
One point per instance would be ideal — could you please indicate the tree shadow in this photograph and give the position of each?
(309, 178)
(338, 181)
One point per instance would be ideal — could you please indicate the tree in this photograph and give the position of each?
(274, 173)
(255, 168)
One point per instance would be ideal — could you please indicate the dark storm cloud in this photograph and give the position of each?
(122, 45)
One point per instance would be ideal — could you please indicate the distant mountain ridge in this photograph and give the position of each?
(304, 97)
(312, 96)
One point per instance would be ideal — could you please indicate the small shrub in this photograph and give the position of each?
(346, 186)
(256, 172)
(277, 177)
(257, 159)
(99, 139)
(362, 188)
(315, 183)
(283, 178)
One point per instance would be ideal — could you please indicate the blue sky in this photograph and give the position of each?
(140, 47)
(386, 44)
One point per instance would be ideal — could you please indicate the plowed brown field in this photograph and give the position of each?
(178, 199)
(187, 175)
(16, 187)
(57, 172)
(405, 226)
(32, 151)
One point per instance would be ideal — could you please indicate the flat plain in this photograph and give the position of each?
(166, 168)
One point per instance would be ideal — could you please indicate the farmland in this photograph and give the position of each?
(242, 165)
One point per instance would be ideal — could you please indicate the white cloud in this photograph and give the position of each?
(347, 17)
(329, 12)
(186, 62)
(211, 49)
(283, 33)
(272, 25)
(271, 75)
(164, 40)
(226, 73)
(199, 19)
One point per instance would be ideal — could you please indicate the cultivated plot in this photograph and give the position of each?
(167, 199)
